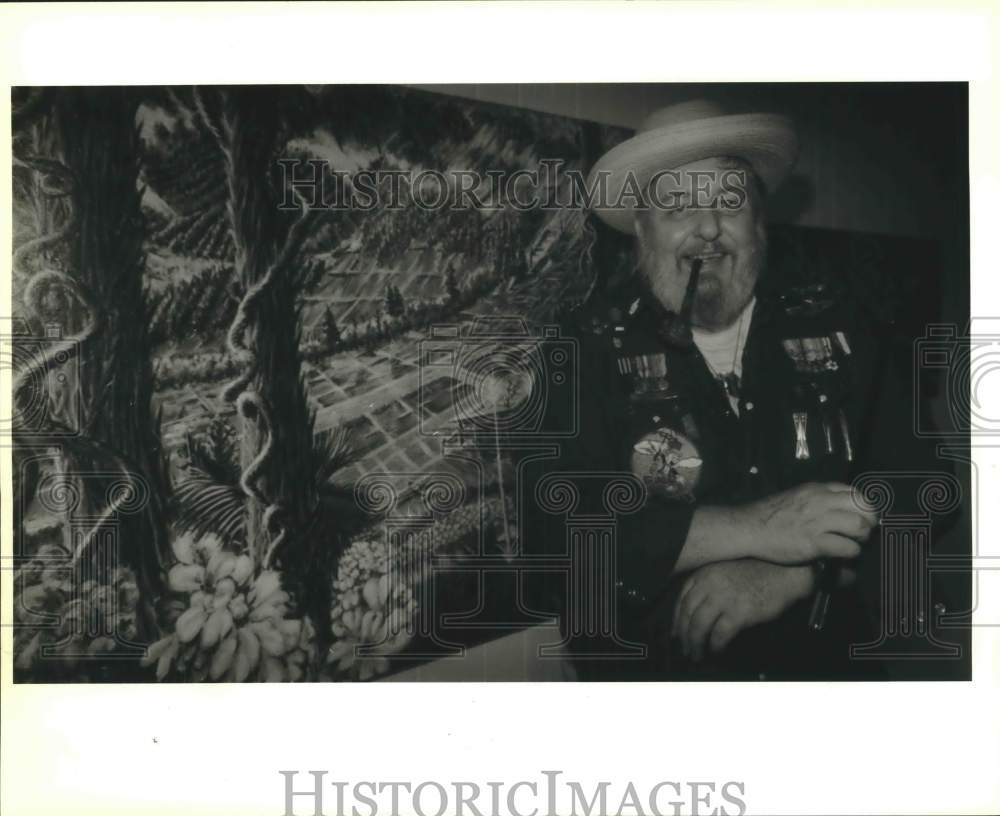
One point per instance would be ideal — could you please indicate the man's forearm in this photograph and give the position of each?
(717, 533)
(795, 526)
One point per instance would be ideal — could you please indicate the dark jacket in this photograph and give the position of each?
(821, 399)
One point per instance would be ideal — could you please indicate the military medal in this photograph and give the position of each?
(848, 450)
(811, 355)
(825, 420)
(650, 373)
(828, 434)
(841, 339)
(801, 418)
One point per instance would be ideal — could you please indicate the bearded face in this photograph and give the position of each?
(730, 241)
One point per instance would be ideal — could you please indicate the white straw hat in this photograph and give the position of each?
(687, 132)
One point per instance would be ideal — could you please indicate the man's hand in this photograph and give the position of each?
(810, 521)
(805, 523)
(720, 600)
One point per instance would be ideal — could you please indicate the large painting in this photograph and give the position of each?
(267, 389)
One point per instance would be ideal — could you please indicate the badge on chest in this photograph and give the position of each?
(668, 462)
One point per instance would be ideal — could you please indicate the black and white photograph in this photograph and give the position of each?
(524, 420)
(353, 383)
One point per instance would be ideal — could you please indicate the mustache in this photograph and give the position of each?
(713, 248)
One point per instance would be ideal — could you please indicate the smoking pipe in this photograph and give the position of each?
(675, 329)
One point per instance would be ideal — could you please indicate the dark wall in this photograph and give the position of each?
(880, 158)
(876, 157)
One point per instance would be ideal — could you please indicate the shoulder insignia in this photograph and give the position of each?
(806, 301)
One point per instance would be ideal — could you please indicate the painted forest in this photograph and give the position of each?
(230, 460)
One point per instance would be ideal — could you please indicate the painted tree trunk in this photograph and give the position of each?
(260, 231)
(101, 147)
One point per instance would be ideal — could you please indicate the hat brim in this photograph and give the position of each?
(767, 141)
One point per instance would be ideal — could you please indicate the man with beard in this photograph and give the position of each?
(745, 410)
